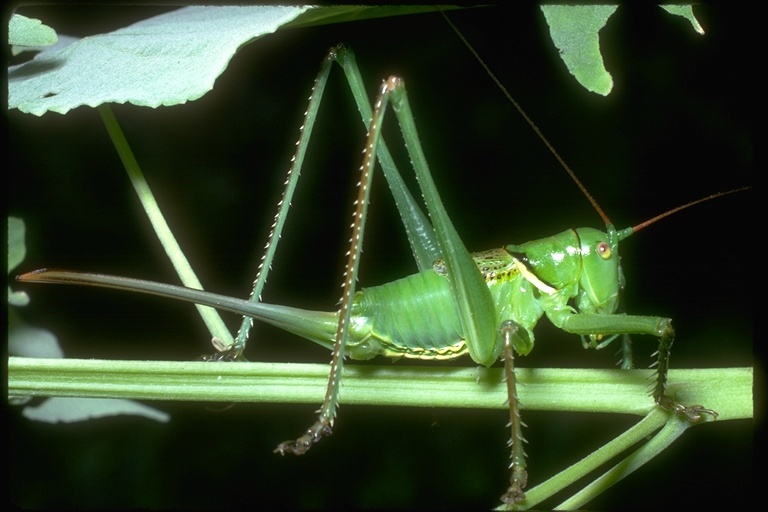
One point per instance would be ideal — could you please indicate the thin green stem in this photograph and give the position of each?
(209, 315)
(673, 427)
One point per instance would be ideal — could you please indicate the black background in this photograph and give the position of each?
(677, 127)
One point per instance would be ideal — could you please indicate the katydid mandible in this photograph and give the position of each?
(484, 305)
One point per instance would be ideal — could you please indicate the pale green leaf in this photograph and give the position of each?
(165, 60)
(23, 31)
(17, 250)
(574, 31)
(33, 343)
(162, 61)
(25, 340)
(68, 410)
(686, 11)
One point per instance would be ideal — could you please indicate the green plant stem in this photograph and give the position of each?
(673, 427)
(726, 390)
(210, 316)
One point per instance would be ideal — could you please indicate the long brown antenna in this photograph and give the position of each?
(648, 222)
(530, 122)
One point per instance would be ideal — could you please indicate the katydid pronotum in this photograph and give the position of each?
(526, 269)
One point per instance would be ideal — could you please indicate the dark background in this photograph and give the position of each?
(677, 127)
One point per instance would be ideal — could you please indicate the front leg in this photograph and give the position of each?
(604, 325)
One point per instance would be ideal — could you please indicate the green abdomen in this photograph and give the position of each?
(412, 317)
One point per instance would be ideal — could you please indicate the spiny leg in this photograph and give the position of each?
(693, 413)
(475, 303)
(627, 360)
(519, 474)
(323, 426)
(589, 324)
(284, 205)
(420, 233)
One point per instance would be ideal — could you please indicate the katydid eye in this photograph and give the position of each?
(604, 250)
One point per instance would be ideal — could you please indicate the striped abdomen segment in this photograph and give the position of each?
(414, 317)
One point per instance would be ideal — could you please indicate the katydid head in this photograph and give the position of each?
(601, 279)
(583, 264)
(579, 264)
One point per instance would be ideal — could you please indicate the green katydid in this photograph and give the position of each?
(484, 305)
(514, 208)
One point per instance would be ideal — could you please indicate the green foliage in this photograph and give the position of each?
(29, 32)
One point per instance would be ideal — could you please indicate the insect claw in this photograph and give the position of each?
(693, 413)
(228, 355)
(700, 410)
(297, 447)
(514, 494)
(322, 428)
